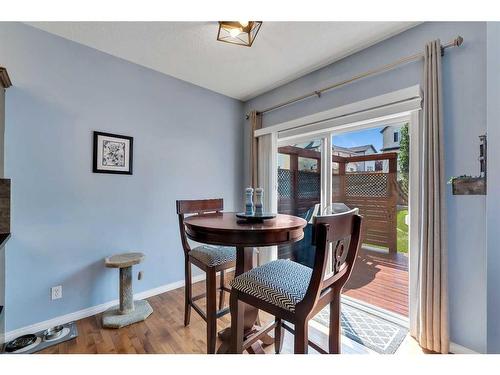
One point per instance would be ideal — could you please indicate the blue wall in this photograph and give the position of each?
(65, 219)
(493, 205)
(464, 80)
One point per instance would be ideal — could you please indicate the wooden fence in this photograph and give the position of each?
(374, 193)
(298, 190)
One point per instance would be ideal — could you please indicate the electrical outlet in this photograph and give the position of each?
(56, 292)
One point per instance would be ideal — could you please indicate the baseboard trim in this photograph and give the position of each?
(90, 311)
(459, 349)
(81, 314)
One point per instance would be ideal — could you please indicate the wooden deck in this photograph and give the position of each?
(380, 279)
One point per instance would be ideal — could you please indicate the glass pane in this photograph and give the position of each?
(283, 161)
(367, 175)
(308, 164)
(299, 193)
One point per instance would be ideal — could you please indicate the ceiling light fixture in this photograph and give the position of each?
(242, 33)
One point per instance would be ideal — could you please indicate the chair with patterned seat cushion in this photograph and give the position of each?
(211, 259)
(295, 293)
(282, 283)
(214, 255)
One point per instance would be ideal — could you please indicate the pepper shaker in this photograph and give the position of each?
(259, 205)
(249, 201)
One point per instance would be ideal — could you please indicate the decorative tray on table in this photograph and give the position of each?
(259, 218)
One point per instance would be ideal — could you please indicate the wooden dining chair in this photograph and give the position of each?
(295, 293)
(210, 259)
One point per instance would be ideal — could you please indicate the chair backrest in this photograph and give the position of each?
(342, 233)
(195, 207)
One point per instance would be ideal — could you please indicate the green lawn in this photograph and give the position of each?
(402, 229)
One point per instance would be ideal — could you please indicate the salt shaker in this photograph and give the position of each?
(249, 201)
(259, 205)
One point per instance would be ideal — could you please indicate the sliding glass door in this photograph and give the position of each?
(354, 168)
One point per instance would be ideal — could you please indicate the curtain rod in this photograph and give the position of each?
(457, 42)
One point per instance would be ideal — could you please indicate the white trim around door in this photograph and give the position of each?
(268, 178)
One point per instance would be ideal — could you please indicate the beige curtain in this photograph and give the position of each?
(255, 123)
(432, 325)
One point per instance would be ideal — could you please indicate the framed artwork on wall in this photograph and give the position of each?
(113, 153)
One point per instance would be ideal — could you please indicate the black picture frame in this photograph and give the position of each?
(95, 166)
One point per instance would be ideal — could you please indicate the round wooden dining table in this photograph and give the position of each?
(226, 229)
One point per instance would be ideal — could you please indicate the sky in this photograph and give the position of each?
(360, 138)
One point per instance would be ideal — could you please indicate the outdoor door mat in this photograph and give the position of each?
(372, 331)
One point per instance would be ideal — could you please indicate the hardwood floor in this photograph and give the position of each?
(380, 279)
(164, 332)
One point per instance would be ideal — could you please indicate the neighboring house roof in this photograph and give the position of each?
(364, 148)
(351, 150)
(394, 126)
(312, 145)
(390, 148)
(345, 149)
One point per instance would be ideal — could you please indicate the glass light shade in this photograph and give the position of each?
(242, 33)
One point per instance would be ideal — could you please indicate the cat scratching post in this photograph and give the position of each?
(129, 311)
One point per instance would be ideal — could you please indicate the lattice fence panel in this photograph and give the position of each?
(309, 185)
(367, 185)
(285, 183)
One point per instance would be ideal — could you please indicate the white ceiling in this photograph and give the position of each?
(282, 51)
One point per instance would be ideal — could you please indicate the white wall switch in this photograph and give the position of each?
(56, 292)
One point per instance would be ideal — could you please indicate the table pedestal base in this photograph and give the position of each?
(244, 263)
(256, 348)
